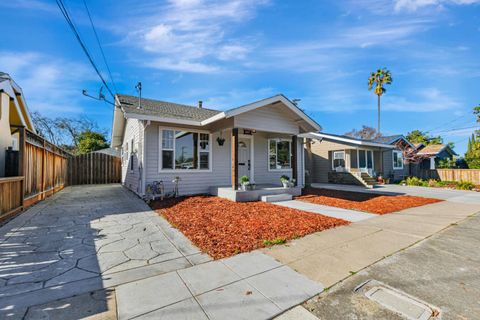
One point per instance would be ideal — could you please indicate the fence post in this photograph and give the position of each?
(21, 161)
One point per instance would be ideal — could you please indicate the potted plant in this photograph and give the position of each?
(244, 182)
(285, 181)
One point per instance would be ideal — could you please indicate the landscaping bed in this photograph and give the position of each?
(367, 202)
(223, 228)
(432, 183)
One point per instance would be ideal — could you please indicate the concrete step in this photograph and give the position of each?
(276, 197)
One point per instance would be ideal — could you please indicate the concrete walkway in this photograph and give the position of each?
(100, 251)
(340, 213)
(335, 254)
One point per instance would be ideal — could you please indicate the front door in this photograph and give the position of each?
(244, 165)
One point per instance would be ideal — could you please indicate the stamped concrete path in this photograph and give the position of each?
(100, 251)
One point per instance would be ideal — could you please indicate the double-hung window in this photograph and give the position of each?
(280, 154)
(184, 150)
(338, 159)
(397, 159)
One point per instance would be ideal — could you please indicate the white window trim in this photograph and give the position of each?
(268, 154)
(366, 159)
(393, 159)
(333, 158)
(160, 149)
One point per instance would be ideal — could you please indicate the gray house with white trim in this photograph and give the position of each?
(209, 149)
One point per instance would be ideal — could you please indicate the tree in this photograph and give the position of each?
(417, 136)
(89, 141)
(68, 132)
(376, 81)
(410, 155)
(472, 156)
(367, 133)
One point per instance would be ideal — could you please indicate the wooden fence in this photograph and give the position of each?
(11, 196)
(470, 175)
(94, 168)
(44, 167)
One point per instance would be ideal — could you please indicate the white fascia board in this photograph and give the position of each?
(268, 101)
(317, 135)
(216, 117)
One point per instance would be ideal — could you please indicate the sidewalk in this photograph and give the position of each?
(443, 271)
(333, 255)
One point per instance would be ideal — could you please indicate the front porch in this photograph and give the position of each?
(227, 192)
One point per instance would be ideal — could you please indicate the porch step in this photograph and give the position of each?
(276, 197)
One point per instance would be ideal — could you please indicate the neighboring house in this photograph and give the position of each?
(207, 148)
(398, 169)
(435, 153)
(343, 159)
(13, 114)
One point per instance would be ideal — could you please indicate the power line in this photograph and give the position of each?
(70, 23)
(456, 129)
(99, 45)
(449, 122)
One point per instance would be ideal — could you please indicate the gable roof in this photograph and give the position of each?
(434, 149)
(393, 139)
(14, 91)
(163, 109)
(180, 114)
(346, 139)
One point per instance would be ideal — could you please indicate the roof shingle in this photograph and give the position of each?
(164, 109)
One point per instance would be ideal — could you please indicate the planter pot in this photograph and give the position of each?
(286, 184)
(243, 187)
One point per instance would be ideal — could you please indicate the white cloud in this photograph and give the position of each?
(428, 100)
(193, 33)
(50, 85)
(414, 5)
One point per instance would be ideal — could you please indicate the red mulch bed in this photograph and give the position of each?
(224, 228)
(372, 203)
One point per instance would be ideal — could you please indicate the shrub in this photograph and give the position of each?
(414, 181)
(465, 185)
(244, 180)
(284, 178)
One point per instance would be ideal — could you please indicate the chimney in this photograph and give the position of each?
(200, 104)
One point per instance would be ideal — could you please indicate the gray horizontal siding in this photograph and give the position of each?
(261, 161)
(130, 179)
(191, 182)
(274, 118)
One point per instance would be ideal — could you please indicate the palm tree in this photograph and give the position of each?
(376, 81)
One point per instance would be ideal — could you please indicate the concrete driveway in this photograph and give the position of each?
(99, 251)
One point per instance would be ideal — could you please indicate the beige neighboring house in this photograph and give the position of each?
(435, 153)
(13, 113)
(332, 158)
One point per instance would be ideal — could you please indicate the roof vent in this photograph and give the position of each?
(200, 103)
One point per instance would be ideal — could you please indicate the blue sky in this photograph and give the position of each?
(231, 52)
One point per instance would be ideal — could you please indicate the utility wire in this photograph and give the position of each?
(100, 46)
(70, 23)
(456, 129)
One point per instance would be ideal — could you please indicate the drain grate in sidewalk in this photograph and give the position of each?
(397, 301)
